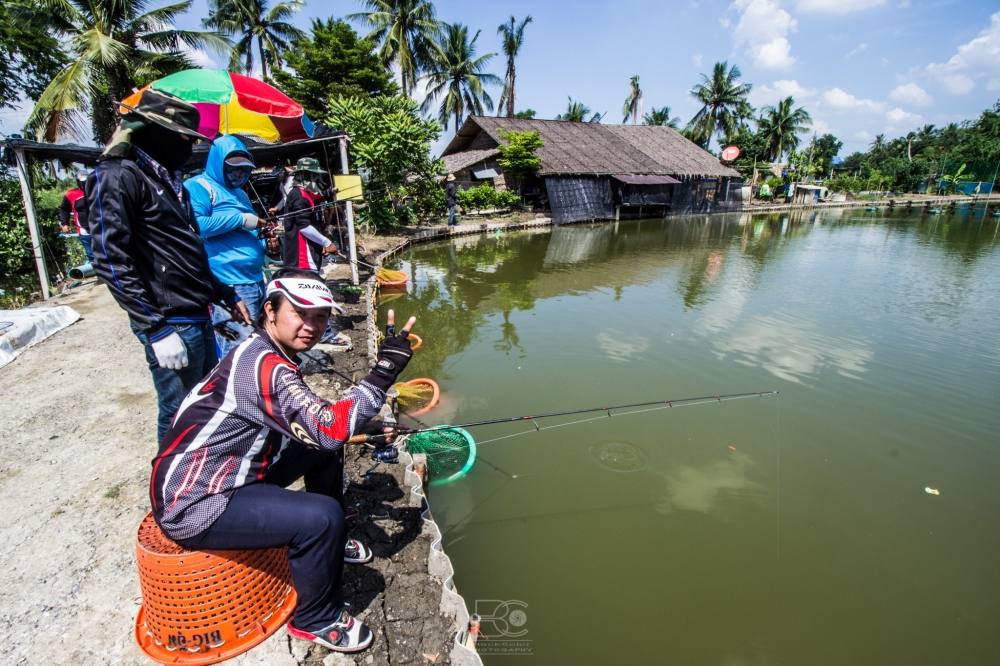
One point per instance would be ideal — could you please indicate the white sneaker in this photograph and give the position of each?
(347, 634)
(356, 552)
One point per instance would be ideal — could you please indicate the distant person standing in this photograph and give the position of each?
(147, 248)
(73, 214)
(304, 241)
(451, 196)
(229, 227)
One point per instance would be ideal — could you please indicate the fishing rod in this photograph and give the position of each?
(608, 410)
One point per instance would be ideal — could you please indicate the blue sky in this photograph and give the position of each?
(860, 67)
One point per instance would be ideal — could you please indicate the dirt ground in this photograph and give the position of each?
(78, 423)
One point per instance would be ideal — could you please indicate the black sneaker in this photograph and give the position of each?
(356, 552)
(347, 634)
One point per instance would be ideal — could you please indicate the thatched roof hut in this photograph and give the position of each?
(591, 170)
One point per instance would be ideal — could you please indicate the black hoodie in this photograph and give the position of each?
(147, 248)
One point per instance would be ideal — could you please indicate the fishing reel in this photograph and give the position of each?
(267, 231)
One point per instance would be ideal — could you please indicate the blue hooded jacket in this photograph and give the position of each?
(235, 254)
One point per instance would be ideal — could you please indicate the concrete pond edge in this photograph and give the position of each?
(439, 565)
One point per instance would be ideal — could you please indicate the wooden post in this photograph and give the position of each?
(29, 213)
(349, 214)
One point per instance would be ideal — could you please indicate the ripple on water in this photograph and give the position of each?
(618, 456)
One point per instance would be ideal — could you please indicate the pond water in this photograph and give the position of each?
(783, 530)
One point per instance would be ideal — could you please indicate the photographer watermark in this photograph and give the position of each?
(502, 627)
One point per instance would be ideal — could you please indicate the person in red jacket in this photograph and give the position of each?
(250, 429)
(73, 214)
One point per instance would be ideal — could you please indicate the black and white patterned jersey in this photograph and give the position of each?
(235, 424)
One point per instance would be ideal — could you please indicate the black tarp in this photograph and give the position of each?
(575, 198)
(264, 154)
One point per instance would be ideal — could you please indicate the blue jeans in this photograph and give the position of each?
(452, 218)
(172, 385)
(85, 241)
(253, 296)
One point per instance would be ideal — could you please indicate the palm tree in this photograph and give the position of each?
(661, 116)
(457, 74)
(251, 20)
(406, 30)
(512, 38)
(633, 103)
(577, 112)
(114, 45)
(878, 144)
(724, 103)
(781, 126)
(910, 137)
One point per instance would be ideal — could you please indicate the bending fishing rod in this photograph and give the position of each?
(679, 402)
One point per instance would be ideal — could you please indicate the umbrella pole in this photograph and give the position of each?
(349, 214)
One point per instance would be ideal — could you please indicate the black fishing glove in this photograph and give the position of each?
(390, 361)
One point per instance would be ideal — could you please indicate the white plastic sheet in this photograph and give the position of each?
(19, 329)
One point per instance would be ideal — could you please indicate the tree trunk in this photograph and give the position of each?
(510, 97)
(263, 57)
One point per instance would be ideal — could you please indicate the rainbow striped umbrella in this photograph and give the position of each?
(231, 103)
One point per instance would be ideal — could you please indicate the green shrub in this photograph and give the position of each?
(485, 197)
(17, 261)
(845, 182)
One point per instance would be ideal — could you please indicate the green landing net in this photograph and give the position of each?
(451, 452)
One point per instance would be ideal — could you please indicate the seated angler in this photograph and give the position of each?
(250, 429)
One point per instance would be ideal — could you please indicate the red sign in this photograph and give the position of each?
(730, 154)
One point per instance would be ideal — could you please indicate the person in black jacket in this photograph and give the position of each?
(304, 242)
(147, 248)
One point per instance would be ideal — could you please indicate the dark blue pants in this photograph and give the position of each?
(172, 385)
(311, 524)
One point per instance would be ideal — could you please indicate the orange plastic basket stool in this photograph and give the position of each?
(203, 607)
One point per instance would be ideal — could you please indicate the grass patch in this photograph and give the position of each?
(114, 492)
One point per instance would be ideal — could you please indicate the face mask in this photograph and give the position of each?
(168, 148)
(236, 177)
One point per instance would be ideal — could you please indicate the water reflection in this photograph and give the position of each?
(793, 349)
(702, 488)
(715, 264)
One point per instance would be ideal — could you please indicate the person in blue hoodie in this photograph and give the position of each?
(228, 227)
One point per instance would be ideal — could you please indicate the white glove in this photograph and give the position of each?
(250, 221)
(171, 353)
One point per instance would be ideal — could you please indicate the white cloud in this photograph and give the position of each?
(862, 135)
(993, 84)
(780, 89)
(820, 126)
(977, 58)
(775, 54)
(697, 60)
(910, 93)
(841, 100)
(898, 116)
(860, 48)
(838, 6)
(904, 4)
(763, 29)
(204, 59)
